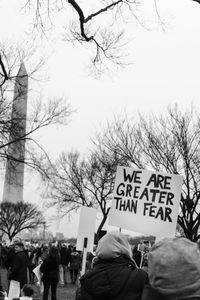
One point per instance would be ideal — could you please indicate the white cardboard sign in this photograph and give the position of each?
(86, 228)
(146, 201)
(14, 289)
(38, 273)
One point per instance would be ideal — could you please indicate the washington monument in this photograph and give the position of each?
(14, 176)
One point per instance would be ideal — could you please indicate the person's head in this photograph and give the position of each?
(19, 246)
(174, 267)
(53, 252)
(74, 249)
(15, 241)
(27, 290)
(70, 247)
(112, 245)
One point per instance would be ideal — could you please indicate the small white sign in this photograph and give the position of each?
(146, 202)
(38, 273)
(14, 289)
(86, 228)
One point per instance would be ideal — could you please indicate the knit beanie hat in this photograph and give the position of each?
(174, 268)
(112, 245)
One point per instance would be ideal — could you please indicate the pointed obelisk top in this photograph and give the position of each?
(22, 70)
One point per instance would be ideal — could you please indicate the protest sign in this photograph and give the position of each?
(14, 289)
(146, 202)
(38, 275)
(86, 228)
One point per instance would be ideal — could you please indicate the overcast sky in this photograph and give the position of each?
(165, 70)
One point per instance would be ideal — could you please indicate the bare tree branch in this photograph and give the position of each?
(15, 129)
(168, 143)
(4, 74)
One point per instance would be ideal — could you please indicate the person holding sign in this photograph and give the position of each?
(114, 275)
(18, 271)
(174, 270)
(50, 271)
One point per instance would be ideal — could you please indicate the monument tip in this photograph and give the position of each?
(22, 70)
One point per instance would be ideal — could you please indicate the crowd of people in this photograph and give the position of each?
(168, 270)
(53, 260)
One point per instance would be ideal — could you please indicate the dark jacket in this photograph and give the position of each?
(64, 256)
(50, 269)
(19, 268)
(9, 257)
(116, 279)
(75, 261)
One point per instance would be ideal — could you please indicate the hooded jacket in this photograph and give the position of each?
(174, 270)
(114, 276)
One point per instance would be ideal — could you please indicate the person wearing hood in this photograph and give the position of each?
(114, 274)
(174, 270)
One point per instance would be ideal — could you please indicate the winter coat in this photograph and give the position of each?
(9, 257)
(116, 279)
(19, 268)
(64, 256)
(50, 269)
(75, 261)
